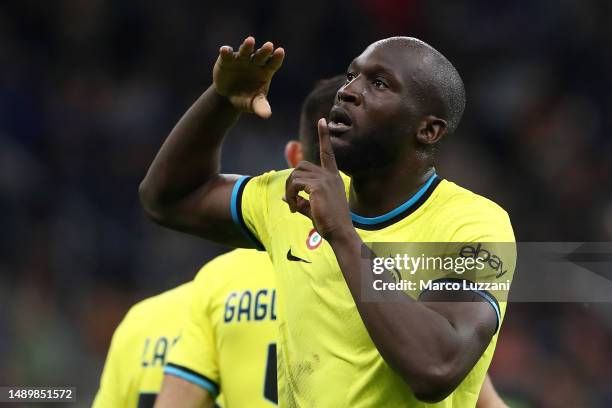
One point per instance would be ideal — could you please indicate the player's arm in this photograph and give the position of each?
(183, 188)
(432, 344)
(177, 392)
(488, 397)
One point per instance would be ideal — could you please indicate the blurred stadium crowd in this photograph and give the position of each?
(89, 89)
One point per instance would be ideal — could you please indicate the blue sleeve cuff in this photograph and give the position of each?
(483, 294)
(489, 298)
(236, 210)
(193, 377)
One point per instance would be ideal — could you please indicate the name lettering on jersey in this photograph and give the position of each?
(155, 351)
(245, 306)
(493, 260)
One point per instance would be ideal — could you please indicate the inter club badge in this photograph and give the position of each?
(314, 239)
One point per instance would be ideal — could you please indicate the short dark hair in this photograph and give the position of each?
(449, 90)
(444, 92)
(317, 105)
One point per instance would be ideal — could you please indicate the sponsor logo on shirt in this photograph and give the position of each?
(487, 257)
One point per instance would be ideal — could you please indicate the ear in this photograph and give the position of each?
(293, 153)
(431, 130)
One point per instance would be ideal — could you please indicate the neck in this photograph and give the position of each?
(380, 191)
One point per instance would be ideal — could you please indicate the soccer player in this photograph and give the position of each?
(225, 318)
(228, 343)
(336, 349)
(134, 365)
(238, 288)
(217, 335)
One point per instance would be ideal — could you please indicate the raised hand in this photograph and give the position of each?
(327, 205)
(243, 77)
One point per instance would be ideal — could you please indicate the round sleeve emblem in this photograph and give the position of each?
(314, 239)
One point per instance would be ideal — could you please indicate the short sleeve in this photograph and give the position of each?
(249, 207)
(194, 358)
(483, 253)
(109, 394)
(487, 236)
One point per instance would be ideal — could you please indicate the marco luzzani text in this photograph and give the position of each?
(399, 265)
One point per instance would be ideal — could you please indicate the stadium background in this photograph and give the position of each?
(89, 89)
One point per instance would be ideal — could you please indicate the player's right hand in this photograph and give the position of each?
(243, 77)
(326, 206)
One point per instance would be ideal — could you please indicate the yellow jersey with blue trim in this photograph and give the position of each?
(228, 344)
(133, 370)
(326, 356)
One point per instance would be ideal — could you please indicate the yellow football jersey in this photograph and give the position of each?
(133, 371)
(229, 340)
(326, 357)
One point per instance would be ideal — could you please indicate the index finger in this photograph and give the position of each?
(328, 159)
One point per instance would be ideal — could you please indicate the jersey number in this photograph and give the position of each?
(270, 388)
(146, 400)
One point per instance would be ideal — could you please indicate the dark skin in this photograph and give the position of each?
(183, 189)
(431, 344)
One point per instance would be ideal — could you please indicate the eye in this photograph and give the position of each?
(349, 77)
(378, 83)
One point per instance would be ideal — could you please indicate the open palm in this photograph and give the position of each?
(243, 77)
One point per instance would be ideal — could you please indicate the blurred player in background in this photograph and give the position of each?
(132, 373)
(228, 344)
(401, 97)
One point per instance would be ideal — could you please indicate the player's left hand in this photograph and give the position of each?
(327, 205)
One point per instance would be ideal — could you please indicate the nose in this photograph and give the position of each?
(350, 93)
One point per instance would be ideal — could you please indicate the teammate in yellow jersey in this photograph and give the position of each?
(401, 97)
(133, 370)
(141, 345)
(228, 343)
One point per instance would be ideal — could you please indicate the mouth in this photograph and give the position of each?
(339, 121)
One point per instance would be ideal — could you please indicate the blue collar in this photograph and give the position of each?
(401, 211)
